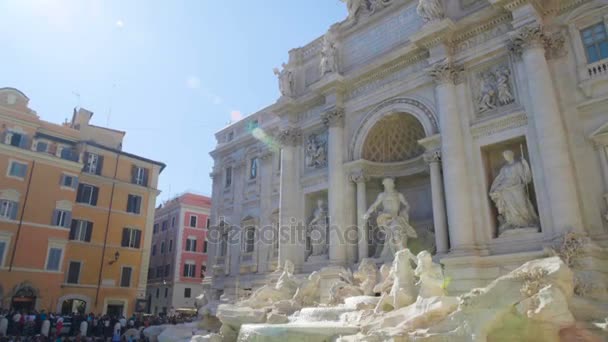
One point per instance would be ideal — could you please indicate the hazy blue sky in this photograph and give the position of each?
(170, 72)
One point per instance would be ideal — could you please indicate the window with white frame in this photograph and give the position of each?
(153, 250)
(193, 221)
(81, 230)
(253, 168)
(17, 169)
(170, 246)
(131, 238)
(207, 223)
(173, 222)
(191, 244)
(53, 261)
(62, 218)
(87, 194)
(68, 181)
(162, 247)
(93, 163)
(8, 209)
(595, 41)
(139, 175)
(249, 239)
(42, 146)
(189, 269)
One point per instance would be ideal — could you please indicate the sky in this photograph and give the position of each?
(170, 73)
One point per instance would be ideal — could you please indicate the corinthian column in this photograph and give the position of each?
(338, 248)
(291, 245)
(457, 189)
(557, 166)
(361, 179)
(439, 220)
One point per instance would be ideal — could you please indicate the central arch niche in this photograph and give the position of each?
(393, 139)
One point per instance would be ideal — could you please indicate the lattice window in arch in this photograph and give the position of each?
(393, 139)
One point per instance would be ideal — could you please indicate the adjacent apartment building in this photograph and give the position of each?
(76, 213)
(178, 261)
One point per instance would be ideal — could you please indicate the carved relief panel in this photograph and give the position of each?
(493, 89)
(315, 151)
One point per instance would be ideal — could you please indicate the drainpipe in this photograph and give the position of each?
(27, 192)
(105, 240)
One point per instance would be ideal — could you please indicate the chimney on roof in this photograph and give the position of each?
(81, 118)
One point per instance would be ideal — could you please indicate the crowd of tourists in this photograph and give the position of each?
(24, 327)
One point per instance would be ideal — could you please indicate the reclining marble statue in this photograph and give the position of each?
(359, 283)
(509, 191)
(284, 289)
(392, 220)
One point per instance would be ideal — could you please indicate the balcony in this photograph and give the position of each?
(598, 69)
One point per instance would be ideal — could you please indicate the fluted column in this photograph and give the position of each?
(361, 179)
(264, 242)
(338, 249)
(457, 189)
(433, 158)
(531, 43)
(290, 243)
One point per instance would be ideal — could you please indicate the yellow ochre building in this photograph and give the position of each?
(76, 214)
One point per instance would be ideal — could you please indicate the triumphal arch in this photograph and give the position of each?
(475, 129)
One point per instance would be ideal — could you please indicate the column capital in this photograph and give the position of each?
(290, 136)
(445, 72)
(333, 117)
(432, 157)
(239, 165)
(359, 176)
(266, 154)
(536, 36)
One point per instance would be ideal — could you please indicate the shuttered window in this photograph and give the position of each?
(125, 278)
(8, 209)
(134, 204)
(139, 175)
(87, 194)
(189, 270)
(131, 238)
(62, 218)
(81, 230)
(73, 272)
(93, 163)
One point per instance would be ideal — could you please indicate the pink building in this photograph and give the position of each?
(178, 260)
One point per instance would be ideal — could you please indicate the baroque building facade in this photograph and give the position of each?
(488, 115)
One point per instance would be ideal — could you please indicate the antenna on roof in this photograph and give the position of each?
(78, 97)
(110, 108)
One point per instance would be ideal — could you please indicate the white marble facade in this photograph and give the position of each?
(431, 97)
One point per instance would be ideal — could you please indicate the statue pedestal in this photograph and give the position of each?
(518, 232)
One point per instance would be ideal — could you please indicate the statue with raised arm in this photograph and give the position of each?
(355, 7)
(509, 191)
(392, 220)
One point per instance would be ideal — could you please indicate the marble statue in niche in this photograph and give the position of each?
(430, 10)
(329, 56)
(510, 193)
(286, 80)
(393, 221)
(317, 230)
(316, 152)
(495, 89)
